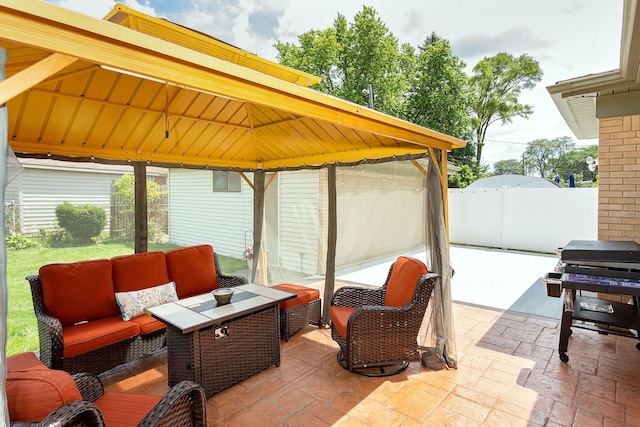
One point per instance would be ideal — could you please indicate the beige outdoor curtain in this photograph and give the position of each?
(437, 336)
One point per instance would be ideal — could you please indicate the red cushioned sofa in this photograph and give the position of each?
(81, 325)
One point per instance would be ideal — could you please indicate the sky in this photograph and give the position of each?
(569, 38)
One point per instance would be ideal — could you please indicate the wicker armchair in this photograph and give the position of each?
(377, 329)
(184, 405)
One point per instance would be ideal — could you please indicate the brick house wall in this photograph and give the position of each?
(619, 178)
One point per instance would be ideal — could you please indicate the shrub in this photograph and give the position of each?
(18, 241)
(81, 222)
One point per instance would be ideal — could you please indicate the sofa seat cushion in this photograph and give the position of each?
(26, 361)
(79, 291)
(133, 303)
(139, 271)
(304, 295)
(124, 409)
(148, 324)
(193, 270)
(86, 337)
(340, 318)
(402, 283)
(32, 395)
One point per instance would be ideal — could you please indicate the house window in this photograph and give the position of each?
(226, 181)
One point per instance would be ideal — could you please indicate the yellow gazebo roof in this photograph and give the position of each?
(138, 88)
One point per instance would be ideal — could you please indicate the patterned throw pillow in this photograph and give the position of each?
(132, 304)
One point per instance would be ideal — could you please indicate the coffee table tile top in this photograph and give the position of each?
(200, 311)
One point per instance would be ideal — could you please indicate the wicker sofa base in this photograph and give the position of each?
(112, 356)
(296, 318)
(220, 356)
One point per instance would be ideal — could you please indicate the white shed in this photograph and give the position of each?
(32, 197)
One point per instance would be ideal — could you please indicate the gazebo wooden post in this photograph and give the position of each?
(140, 193)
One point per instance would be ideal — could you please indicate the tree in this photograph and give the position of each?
(498, 82)
(317, 55)
(508, 167)
(574, 163)
(439, 90)
(462, 178)
(157, 217)
(351, 57)
(543, 155)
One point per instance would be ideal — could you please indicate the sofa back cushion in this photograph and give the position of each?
(402, 283)
(193, 270)
(139, 271)
(32, 395)
(79, 291)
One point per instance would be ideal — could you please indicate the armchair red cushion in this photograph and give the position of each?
(340, 317)
(32, 395)
(403, 281)
(125, 409)
(26, 361)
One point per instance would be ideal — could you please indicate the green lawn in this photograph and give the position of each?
(22, 329)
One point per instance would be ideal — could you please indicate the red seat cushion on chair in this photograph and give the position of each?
(340, 318)
(125, 409)
(403, 281)
(193, 270)
(32, 395)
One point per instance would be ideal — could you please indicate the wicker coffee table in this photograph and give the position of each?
(219, 346)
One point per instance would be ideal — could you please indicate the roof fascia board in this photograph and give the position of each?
(56, 29)
(589, 84)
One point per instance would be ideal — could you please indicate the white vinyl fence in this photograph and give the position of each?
(530, 219)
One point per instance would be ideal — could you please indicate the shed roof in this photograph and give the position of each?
(83, 88)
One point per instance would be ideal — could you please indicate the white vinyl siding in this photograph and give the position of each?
(200, 215)
(299, 221)
(377, 217)
(37, 192)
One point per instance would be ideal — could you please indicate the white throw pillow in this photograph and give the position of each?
(132, 304)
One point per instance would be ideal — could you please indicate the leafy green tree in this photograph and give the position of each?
(439, 90)
(508, 167)
(498, 82)
(156, 207)
(574, 162)
(543, 155)
(463, 177)
(81, 222)
(317, 55)
(351, 57)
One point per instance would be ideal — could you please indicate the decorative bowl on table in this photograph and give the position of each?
(222, 295)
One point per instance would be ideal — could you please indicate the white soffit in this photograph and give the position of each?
(583, 109)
